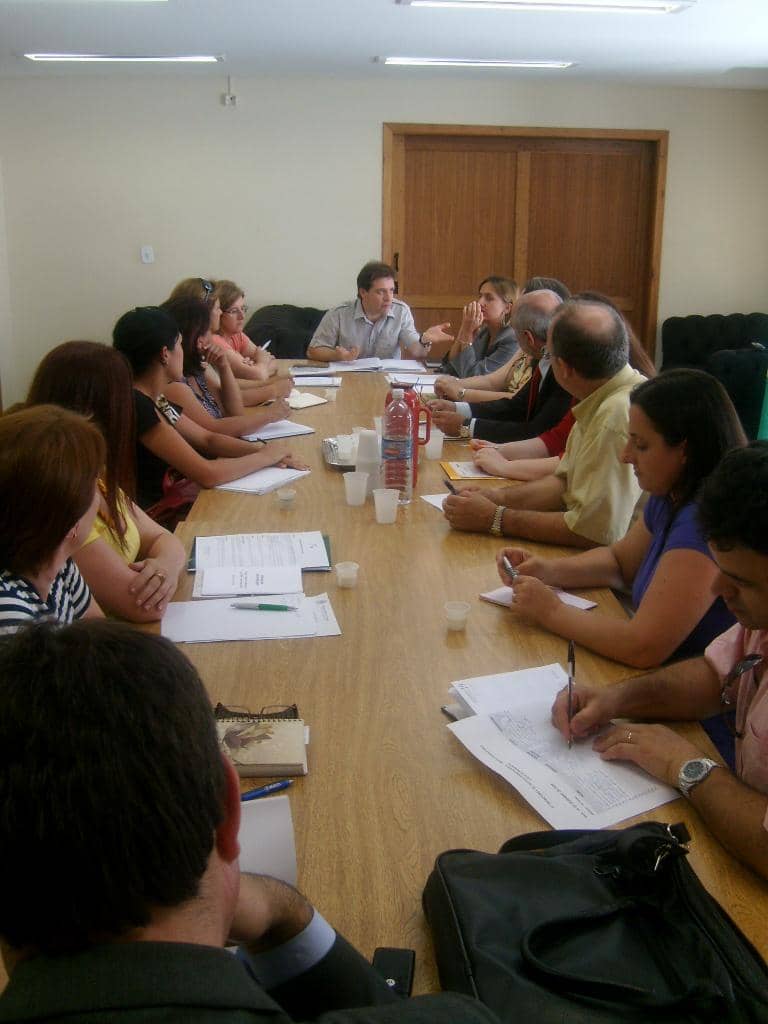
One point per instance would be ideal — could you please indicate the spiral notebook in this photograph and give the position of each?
(262, 744)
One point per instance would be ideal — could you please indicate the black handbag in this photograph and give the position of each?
(586, 927)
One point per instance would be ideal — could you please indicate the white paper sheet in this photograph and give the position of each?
(201, 622)
(305, 550)
(304, 400)
(568, 788)
(281, 428)
(309, 371)
(326, 623)
(264, 480)
(267, 844)
(435, 500)
(357, 365)
(233, 580)
(503, 596)
(308, 381)
(405, 365)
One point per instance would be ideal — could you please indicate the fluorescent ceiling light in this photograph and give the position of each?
(113, 58)
(456, 62)
(590, 6)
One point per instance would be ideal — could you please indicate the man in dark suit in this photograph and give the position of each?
(537, 407)
(119, 877)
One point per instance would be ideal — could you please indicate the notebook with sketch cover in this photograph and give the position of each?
(262, 744)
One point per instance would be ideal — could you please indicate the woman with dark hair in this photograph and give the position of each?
(212, 400)
(50, 460)
(172, 451)
(251, 365)
(484, 341)
(130, 563)
(681, 424)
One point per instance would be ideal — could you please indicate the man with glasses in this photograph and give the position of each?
(730, 678)
(374, 324)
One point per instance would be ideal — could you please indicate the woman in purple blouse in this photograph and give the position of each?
(681, 423)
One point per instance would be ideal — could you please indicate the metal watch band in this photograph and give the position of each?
(498, 517)
(693, 772)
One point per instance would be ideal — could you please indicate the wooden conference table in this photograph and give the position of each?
(389, 787)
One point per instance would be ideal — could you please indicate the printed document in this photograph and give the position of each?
(568, 788)
(234, 580)
(305, 550)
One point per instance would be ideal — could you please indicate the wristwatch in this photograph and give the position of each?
(464, 430)
(498, 516)
(693, 772)
(460, 395)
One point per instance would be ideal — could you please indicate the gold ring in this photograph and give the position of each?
(629, 736)
(161, 575)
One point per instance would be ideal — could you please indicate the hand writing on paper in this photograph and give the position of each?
(535, 601)
(525, 562)
(591, 710)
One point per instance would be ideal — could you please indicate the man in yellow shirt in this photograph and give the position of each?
(589, 499)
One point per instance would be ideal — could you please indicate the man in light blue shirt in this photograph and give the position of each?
(374, 324)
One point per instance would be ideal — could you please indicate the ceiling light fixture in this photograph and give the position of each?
(114, 58)
(581, 6)
(457, 62)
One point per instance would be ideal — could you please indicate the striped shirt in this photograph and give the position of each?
(21, 604)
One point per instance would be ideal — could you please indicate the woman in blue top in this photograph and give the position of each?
(681, 423)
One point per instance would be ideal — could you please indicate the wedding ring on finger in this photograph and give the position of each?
(629, 735)
(160, 575)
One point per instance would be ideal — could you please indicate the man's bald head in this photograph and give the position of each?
(533, 313)
(591, 338)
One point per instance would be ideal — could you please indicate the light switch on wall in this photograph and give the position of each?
(147, 254)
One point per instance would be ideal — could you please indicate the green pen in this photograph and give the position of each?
(257, 606)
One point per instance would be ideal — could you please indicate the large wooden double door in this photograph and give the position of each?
(462, 202)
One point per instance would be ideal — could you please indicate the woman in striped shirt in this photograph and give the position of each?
(50, 461)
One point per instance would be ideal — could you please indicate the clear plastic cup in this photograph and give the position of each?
(346, 574)
(433, 449)
(286, 496)
(330, 394)
(355, 486)
(385, 500)
(456, 614)
(346, 448)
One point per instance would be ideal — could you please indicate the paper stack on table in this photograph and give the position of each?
(264, 480)
(280, 428)
(503, 596)
(510, 731)
(357, 365)
(311, 381)
(303, 400)
(201, 622)
(306, 550)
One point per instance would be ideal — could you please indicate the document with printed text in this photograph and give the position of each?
(569, 788)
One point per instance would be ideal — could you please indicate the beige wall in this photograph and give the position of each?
(283, 193)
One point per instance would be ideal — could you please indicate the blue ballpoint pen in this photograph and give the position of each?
(268, 790)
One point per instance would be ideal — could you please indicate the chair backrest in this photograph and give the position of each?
(289, 327)
(742, 374)
(691, 340)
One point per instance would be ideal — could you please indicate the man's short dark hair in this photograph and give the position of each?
(591, 337)
(733, 503)
(371, 272)
(111, 783)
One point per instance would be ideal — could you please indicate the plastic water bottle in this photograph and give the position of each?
(397, 446)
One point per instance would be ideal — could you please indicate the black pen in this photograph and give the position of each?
(450, 486)
(571, 678)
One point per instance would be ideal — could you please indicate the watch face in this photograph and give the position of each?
(694, 770)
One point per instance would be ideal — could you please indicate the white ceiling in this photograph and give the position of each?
(716, 43)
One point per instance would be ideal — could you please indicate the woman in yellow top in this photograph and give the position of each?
(130, 563)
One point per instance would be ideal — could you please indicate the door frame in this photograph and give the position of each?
(393, 188)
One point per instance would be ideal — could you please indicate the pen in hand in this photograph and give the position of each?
(571, 677)
(509, 569)
(450, 486)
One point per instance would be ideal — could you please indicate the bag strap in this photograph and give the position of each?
(544, 840)
(542, 938)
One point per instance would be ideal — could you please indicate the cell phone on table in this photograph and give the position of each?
(396, 967)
